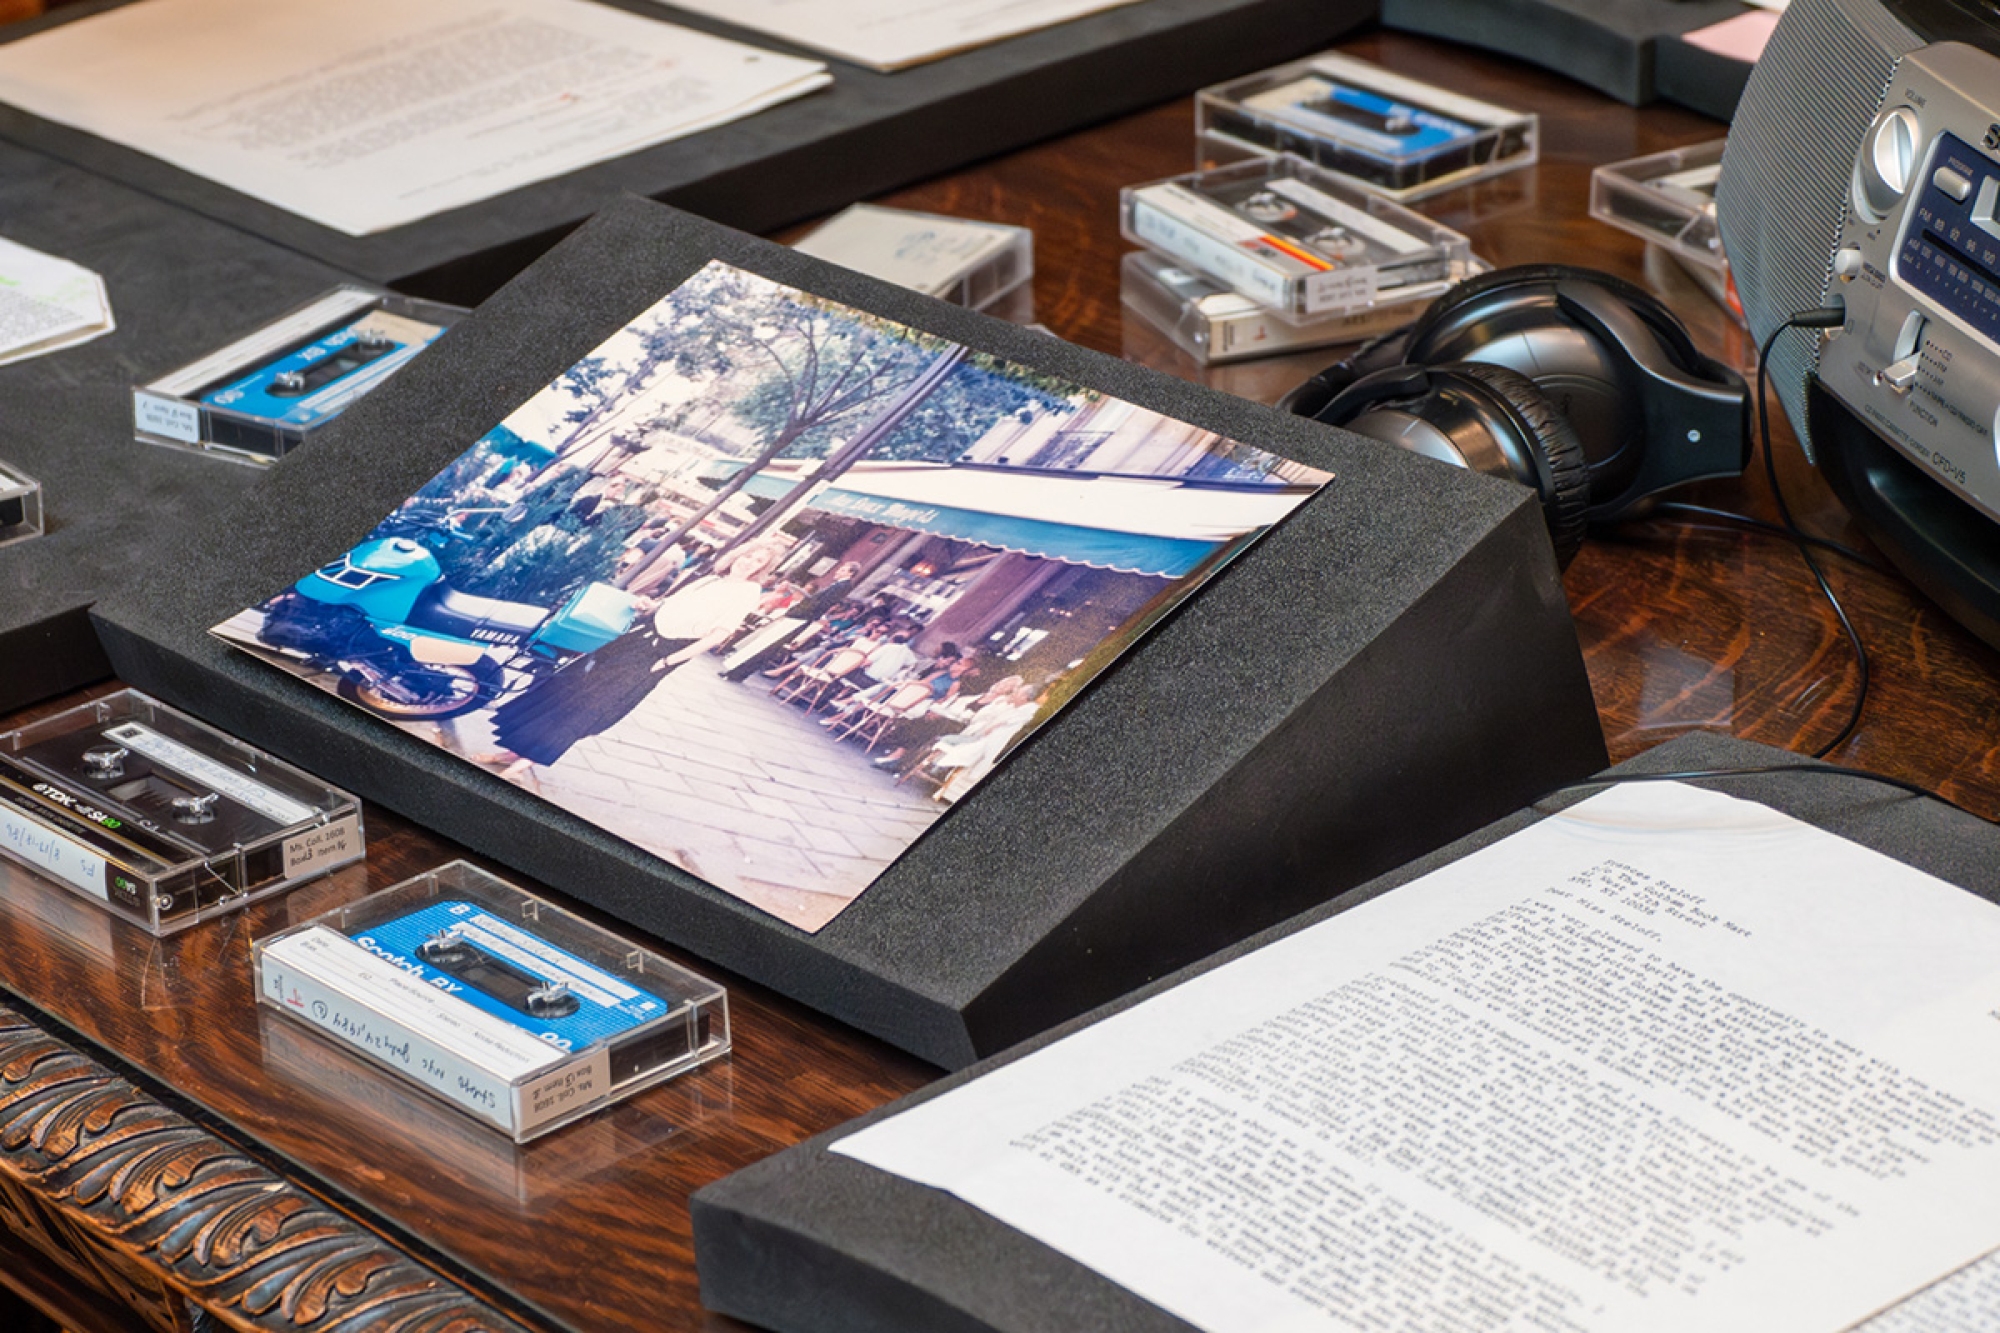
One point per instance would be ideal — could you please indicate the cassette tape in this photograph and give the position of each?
(966, 263)
(1216, 325)
(264, 394)
(1395, 135)
(161, 818)
(20, 506)
(510, 1008)
(1296, 239)
(1666, 198)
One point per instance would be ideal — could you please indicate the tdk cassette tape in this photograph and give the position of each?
(161, 818)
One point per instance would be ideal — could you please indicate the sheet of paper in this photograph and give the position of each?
(894, 34)
(47, 303)
(374, 113)
(1667, 1061)
(1741, 38)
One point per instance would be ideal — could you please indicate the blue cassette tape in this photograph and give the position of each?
(264, 394)
(493, 999)
(1388, 132)
(463, 949)
(307, 386)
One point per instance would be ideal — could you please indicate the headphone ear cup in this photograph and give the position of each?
(1311, 398)
(1562, 478)
(1484, 418)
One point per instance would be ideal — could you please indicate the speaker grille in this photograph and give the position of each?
(1783, 192)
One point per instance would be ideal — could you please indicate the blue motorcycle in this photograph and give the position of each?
(406, 646)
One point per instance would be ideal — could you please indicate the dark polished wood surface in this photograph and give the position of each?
(1684, 626)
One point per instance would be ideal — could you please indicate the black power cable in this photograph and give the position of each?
(1694, 512)
(1821, 318)
(1825, 317)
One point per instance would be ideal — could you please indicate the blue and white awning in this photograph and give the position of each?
(1136, 525)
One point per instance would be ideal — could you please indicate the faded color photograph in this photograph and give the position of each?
(765, 584)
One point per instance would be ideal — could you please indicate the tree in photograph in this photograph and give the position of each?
(804, 371)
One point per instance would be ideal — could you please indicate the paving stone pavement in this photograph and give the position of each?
(745, 791)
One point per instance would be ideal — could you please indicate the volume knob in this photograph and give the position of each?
(1888, 161)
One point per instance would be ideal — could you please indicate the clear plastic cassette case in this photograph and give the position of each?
(20, 506)
(520, 1014)
(1393, 134)
(1216, 325)
(964, 262)
(161, 818)
(1666, 198)
(1300, 241)
(266, 393)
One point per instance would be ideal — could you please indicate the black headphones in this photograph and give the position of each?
(1574, 382)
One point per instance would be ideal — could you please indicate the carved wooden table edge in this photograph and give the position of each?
(126, 1193)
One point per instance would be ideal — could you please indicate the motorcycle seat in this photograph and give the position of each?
(460, 613)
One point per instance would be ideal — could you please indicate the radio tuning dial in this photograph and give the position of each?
(1888, 159)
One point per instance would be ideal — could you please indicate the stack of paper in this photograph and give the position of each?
(374, 113)
(47, 303)
(1665, 1061)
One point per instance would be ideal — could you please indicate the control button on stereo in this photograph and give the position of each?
(1899, 376)
(1847, 262)
(1952, 183)
(1888, 158)
(1984, 206)
(1909, 338)
(1901, 372)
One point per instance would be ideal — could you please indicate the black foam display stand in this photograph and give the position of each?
(1607, 44)
(1699, 79)
(809, 1241)
(179, 285)
(1391, 666)
(867, 133)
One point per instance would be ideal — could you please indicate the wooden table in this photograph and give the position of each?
(233, 1171)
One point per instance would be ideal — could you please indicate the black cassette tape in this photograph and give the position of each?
(162, 819)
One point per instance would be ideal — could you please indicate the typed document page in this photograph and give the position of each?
(47, 303)
(1666, 1061)
(894, 34)
(373, 113)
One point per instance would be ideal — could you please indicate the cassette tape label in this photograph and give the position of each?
(274, 806)
(558, 1094)
(1342, 289)
(515, 963)
(1347, 215)
(597, 986)
(373, 999)
(68, 861)
(169, 418)
(322, 848)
